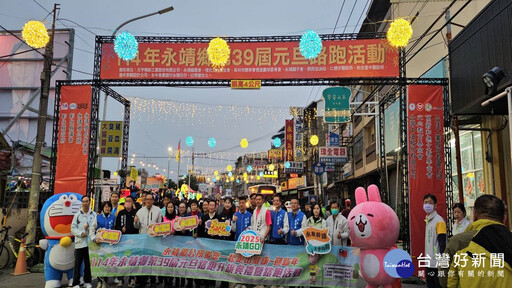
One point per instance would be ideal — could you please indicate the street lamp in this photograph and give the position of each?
(169, 161)
(160, 12)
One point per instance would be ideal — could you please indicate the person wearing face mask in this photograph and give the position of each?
(337, 226)
(435, 238)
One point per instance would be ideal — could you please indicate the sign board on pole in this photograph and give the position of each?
(333, 135)
(333, 154)
(295, 167)
(111, 138)
(318, 168)
(337, 104)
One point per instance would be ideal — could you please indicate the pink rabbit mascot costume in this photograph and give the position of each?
(374, 229)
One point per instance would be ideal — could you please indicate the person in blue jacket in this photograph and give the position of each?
(194, 211)
(280, 225)
(297, 222)
(106, 220)
(242, 217)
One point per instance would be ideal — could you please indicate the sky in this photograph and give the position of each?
(151, 133)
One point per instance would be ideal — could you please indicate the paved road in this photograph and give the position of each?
(36, 280)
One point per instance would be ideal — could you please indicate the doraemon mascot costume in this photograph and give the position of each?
(56, 217)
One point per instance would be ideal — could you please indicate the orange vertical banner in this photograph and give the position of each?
(426, 158)
(73, 139)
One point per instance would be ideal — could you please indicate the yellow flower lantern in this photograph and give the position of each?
(218, 53)
(35, 34)
(244, 143)
(313, 140)
(399, 32)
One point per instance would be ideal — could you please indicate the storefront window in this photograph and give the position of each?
(472, 169)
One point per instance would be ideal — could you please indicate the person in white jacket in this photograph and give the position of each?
(337, 226)
(147, 215)
(81, 227)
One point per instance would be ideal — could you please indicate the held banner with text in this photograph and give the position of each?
(184, 256)
(254, 60)
(73, 145)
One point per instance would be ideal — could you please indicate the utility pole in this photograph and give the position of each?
(33, 201)
(191, 171)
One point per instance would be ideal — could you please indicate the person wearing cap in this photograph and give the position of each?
(346, 211)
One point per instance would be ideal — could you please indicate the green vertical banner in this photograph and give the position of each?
(337, 104)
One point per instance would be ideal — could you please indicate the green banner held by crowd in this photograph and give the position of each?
(183, 256)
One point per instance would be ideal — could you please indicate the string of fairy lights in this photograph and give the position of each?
(35, 34)
(200, 114)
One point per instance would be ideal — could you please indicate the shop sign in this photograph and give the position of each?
(333, 154)
(337, 105)
(275, 154)
(295, 167)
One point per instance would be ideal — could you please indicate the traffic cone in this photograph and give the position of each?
(21, 263)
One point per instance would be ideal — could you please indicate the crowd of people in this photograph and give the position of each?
(275, 224)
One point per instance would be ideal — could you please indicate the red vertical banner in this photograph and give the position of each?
(289, 136)
(73, 141)
(426, 158)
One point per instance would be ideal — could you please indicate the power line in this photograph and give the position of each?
(349, 17)
(341, 9)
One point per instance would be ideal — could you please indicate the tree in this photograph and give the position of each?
(193, 182)
(171, 184)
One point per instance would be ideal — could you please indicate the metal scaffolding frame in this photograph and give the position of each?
(448, 184)
(398, 93)
(94, 124)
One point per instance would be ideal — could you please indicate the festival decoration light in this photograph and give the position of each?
(287, 164)
(35, 34)
(258, 177)
(208, 179)
(230, 174)
(237, 180)
(229, 168)
(399, 32)
(200, 114)
(313, 140)
(212, 142)
(218, 53)
(231, 178)
(214, 180)
(126, 46)
(261, 174)
(244, 143)
(218, 177)
(189, 141)
(216, 173)
(277, 142)
(310, 45)
(271, 167)
(249, 168)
